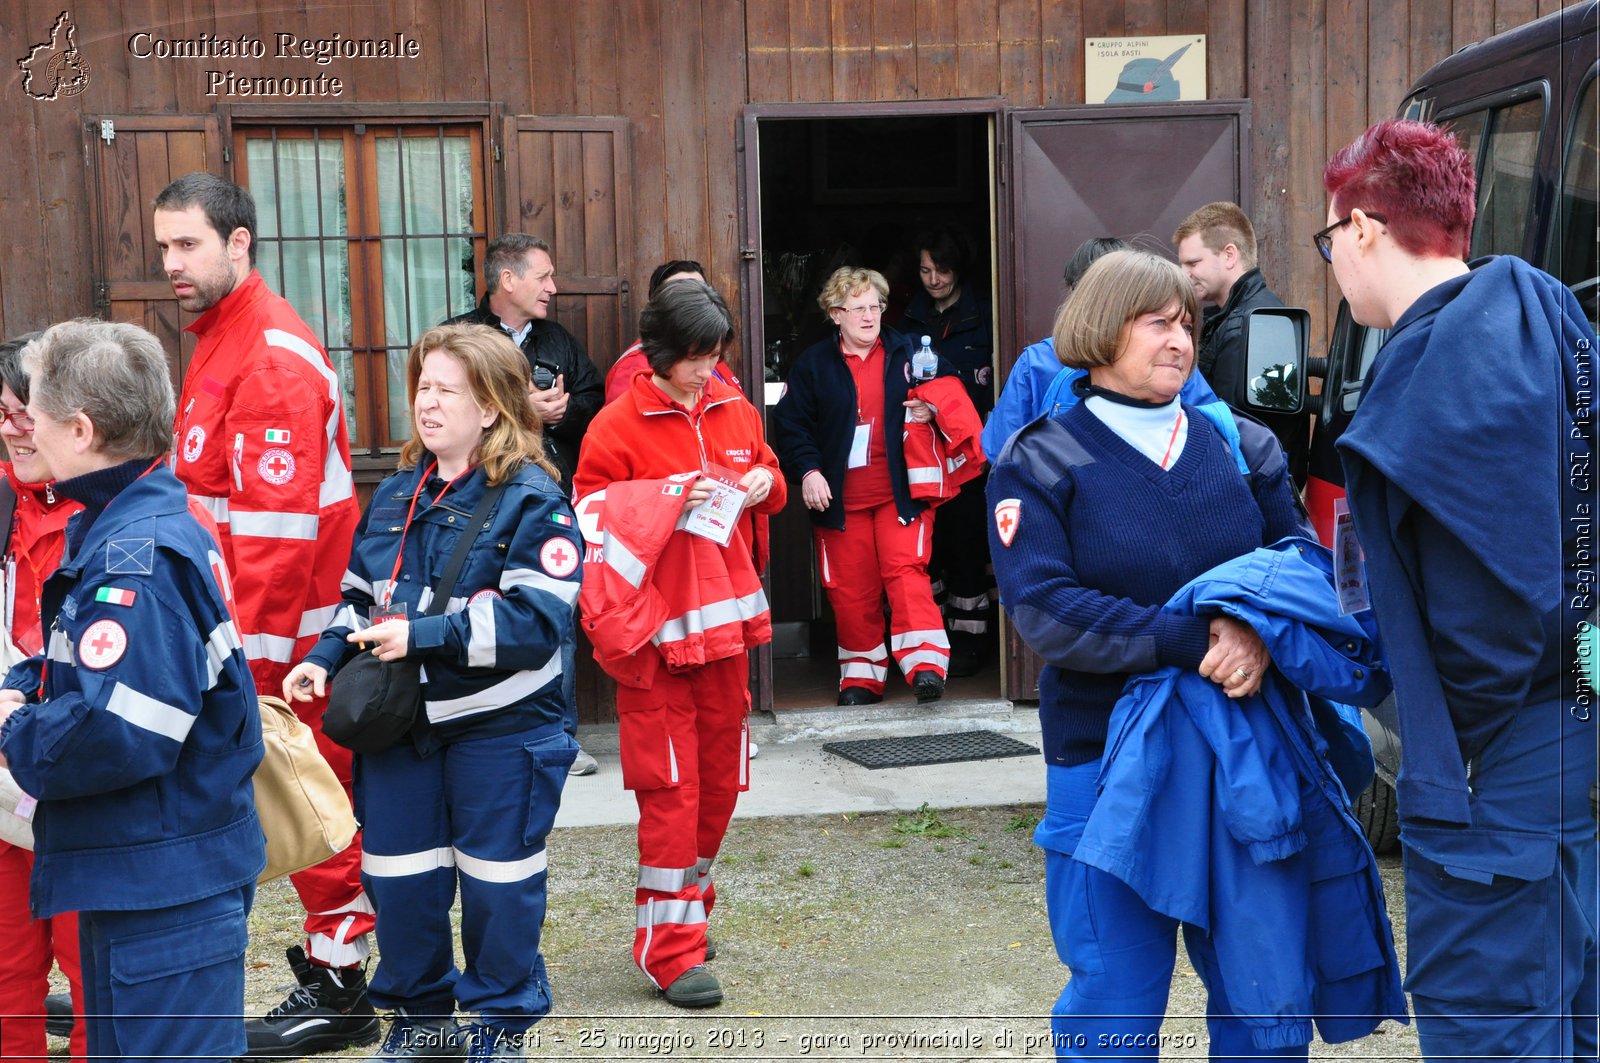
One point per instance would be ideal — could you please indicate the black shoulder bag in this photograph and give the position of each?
(373, 704)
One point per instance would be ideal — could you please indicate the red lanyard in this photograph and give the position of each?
(1173, 440)
(406, 528)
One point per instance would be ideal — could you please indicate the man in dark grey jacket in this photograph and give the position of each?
(519, 281)
(1217, 249)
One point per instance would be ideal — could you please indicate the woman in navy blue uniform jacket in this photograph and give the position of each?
(467, 800)
(138, 730)
(1100, 514)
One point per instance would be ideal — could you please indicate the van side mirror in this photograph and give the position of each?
(1276, 341)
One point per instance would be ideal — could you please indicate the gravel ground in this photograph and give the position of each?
(909, 937)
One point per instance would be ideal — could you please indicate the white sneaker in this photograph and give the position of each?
(755, 750)
(584, 765)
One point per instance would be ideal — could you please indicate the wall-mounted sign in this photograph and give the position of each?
(1144, 69)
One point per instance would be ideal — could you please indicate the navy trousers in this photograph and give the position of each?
(472, 814)
(166, 983)
(1500, 916)
(1120, 952)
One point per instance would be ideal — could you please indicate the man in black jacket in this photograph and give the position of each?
(1217, 249)
(519, 280)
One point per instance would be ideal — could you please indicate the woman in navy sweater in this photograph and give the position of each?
(1100, 515)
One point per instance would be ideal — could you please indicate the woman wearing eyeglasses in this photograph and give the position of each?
(839, 436)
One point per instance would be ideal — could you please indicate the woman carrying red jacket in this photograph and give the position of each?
(683, 666)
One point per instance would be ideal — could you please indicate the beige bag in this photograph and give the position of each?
(304, 812)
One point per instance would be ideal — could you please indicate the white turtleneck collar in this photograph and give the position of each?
(1157, 432)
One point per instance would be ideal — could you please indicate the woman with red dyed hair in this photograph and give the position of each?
(1467, 466)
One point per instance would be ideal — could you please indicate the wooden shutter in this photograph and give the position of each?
(567, 180)
(131, 159)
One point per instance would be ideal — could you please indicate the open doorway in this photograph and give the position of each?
(855, 189)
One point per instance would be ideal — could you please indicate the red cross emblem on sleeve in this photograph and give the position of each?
(276, 466)
(559, 557)
(102, 644)
(1007, 516)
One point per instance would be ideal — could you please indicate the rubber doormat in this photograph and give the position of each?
(928, 749)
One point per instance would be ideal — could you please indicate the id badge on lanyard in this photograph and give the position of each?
(860, 445)
(1349, 564)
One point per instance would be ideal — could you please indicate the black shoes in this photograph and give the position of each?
(328, 1010)
(58, 1015)
(415, 1037)
(695, 988)
(711, 949)
(928, 686)
(858, 696)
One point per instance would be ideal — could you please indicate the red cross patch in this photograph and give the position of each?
(276, 466)
(488, 594)
(102, 644)
(1007, 516)
(559, 557)
(194, 443)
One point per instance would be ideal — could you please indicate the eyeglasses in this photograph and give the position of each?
(1323, 238)
(864, 311)
(19, 420)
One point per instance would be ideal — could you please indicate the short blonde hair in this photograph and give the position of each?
(850, 280)
(1218, 225)
(497, 376)
(1118, 288)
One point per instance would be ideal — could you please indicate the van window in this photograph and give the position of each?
(1574, 252)
(1505, 179)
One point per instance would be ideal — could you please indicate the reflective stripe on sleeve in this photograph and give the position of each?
(278, 648)
(220, 645)
(622, 561)
(316, 621)
(714, 615)
(565, 589)
(148, 714)
(480, 634)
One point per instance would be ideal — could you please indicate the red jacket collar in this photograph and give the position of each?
(249, 291)
(38, 493)
(652, 399)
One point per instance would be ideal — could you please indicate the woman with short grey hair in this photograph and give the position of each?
(140, 738)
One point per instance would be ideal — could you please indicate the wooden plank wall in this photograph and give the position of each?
(681, 70)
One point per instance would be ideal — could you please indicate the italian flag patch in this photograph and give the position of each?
(672, 489)
(277, 435)
(114, 595)
(561, 519)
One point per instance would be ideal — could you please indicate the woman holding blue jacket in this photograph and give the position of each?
(1099, 515)
(467, 799)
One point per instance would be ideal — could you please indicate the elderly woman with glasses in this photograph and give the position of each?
(839, 436)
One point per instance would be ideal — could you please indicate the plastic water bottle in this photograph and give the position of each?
(924, 364)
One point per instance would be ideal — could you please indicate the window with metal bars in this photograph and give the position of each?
(372, 232)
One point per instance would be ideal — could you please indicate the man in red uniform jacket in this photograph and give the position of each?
(261, 443)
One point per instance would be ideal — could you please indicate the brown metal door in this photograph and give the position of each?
(1079, 172)
(131, 159)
